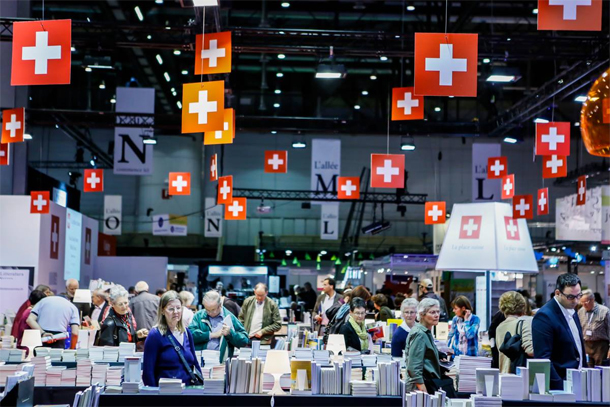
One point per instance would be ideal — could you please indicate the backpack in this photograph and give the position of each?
(335, 324)
(513, 349)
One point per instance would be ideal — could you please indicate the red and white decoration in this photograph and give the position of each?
(4, 154)
(93, 181)
(512, 228)
(497, 167)
(470, 227)
(13, 125)
(214, 168)
(276, 162)
(446, 64)
(581, 192)
(570, 15)
(179, 183)
(42, 52)
(40, 202)
(543, 202)
(225, 190)
(523, 207)
(348, 187)
(553, 138)
(405, 105)
(236, 210)
(554, 166)
(387, 171)
(508, 186)
(435, 213)
(54, 237)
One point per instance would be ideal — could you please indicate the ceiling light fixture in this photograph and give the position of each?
(139, 13)
(273, 132)
(159, 1)
(407, 143)
(299, 144)
(540, 120)
(510, 140)
(72, 49)
(357, 107)
(486, 60)
(166, 75)
(177, 52)
(281, 56)
(329, 69)
(204, 3)
(285, 4)
(87, 69)
(279, 75)
(149, 37)
(580, 99)
(276, 105)
(159, 59)
(365, 93)
(27, 136)
(383, 58)
(103, 85)
(278, 92)
(410, 8)
(179, 104)
(437, 109)
(535, 11)
(373, 77)
(185, 72)
(113, 100)
(149, 140)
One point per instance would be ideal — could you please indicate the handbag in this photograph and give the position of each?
(196, 377)
(513, 349)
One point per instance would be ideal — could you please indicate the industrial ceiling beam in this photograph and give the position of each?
(368, 197)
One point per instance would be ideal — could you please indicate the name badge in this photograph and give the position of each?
(589, 333)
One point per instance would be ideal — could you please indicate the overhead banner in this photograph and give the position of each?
(113, 214)
(74, 234)
(329, 226)
(580, 222)
(483, 189)
(325, 165)
(169, 225)
(213, 218)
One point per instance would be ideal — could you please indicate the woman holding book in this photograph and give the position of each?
(169, 350)
(354, 331)
(408, 312)
(120, 324)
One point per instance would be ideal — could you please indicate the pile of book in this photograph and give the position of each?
(364, 388)
(12, 355)
(466, 366)
(111, 353)
(125, 349)
(56, 354)
(7, 341)
(82, 354)
(331, 379)
(484, 401)
(54, 375)
(214, 386)
(589, 384)
(6, 371)
(170, 386)
(132, 387)
(68, 377)
(96, 353)
(83, 372)
(98, 373)
(114, 375)
(511, 387)
(68, 355)
(113, 389)
(422, 399)
(245, 376)
(389, 378)
(41, 364)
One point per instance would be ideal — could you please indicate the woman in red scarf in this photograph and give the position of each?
(119, 325)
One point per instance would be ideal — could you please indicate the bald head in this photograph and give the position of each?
(260, 292)
(141, 286)
(71, 287)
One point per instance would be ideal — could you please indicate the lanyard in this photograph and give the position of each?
(590, 318)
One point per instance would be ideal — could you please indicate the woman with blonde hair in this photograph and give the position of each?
(514, 307)
(169, 350)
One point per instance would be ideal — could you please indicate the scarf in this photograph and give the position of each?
(129, 322)
(361, 332)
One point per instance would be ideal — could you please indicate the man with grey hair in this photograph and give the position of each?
(260, 315)
(71, 287)
(100, 302)
(595, 322)
(215, 328)
(144, 306)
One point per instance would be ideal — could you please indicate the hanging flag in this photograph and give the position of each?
(497, 167)
(405, 105)
(225, 190)
(387, 171)
(179, 183)
(214, 168)
(224, 136)
(543, 202)
(13, 125)
(554, 166)
(215, 57)
(553, 138)
(570, 15)
(523, 207)
(203, 106)
(446, 64)
(348, 188)
(581, 193)
(40, 201)
(42, 52)
(508, 186)
(276, 162)
(236, 210)
(93, 181)
(4, 154)
(435, 213)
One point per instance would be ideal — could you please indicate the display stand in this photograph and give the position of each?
(21, 395)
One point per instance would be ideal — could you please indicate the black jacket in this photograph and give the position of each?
(113, 331)
(351, 337)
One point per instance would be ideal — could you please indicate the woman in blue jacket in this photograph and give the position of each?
(463, 336)
(161, 360)
(408, 312)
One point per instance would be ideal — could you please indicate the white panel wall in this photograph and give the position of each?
(86, 270)
(51, 271)
(19, 232)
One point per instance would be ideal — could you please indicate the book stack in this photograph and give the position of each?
(246, 376)
(539, 379)
(389, 378)
(8, 341)
(98, 373)
(303, 354)
(114, 375)
(41, 364)
(466, 366)
(605, 383)
(331, 379)
(54, 375)
(126, 349)
(4, 354)
(68, 377)
(132, 387)
(245, 353)
(369, 360)
(83, 372)
(211, 358)
(560, 396)
(113, 389)
(321, 356)
(42, 351)
(483, 401)
(6, 371)
(82, 354)
(69, 355)
(364, 388)
(576, 382)
(594, 384)
(170, 386)
(111, 354)
(16, 355)
(524, 374)
(355, 357)
(419, 398)
(511, 387)
(214, 386)
(96, 353)
(488, 381)
(56, 354)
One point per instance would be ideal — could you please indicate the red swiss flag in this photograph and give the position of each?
(42, 52)
(237, 209)
(446, 64)
(348, 187)
(508, 186)
(581, 192)
(554, 166)
(497, 167)
(40, 202)
(570, 15)
(214, 168)
(387, 171)
(523, 207)
(4, 154)
(276, 162)
(553, 138)
(13, 125)
(225, 190)
(435, 212)
(179, 183)
(405, 105)
(93, 181)
(543, 202)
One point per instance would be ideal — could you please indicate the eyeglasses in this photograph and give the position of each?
(360, 314)
(174, 309)
(572, 297)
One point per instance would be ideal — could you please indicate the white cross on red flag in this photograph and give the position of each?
(93, 181)
(42, 52)
(179, 183)
(405, 105)
(570, 15)
(523, 207)
(4, 154)
(435, 212)
(543, 202)
(497, 167)
(276, 162)
(214, 168)
(387, 171)
(13, 125)
(553, 138)
(40, 201)
(508, 186)
(554, 166)
(512, 228)
(236, 210)
(225, 190)
(581, 192)
(348, 188)
(215, 57)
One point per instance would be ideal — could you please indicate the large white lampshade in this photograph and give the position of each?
(82, 296)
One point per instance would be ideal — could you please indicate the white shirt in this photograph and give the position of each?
(179, 336)
(96, 312)
(326, 304)
(257, 318)
(56, 314)
(569, 316)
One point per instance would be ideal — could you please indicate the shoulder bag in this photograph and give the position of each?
(196, 377)
(513, 349)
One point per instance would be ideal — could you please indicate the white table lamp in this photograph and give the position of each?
(31, 339)
(336, 344)
(277, 364)
(82, 296)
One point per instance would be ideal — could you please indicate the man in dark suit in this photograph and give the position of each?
(556, 330)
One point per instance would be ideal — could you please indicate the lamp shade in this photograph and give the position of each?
(336, 343)
(82, 296)
(31, 338)
(277, 362)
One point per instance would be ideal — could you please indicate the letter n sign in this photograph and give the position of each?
(131, 155)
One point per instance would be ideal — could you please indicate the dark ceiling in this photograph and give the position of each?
(368, 37)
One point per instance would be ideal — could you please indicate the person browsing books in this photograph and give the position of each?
(354, 331)
(216, 328)
(260, 315)
(327, 299)
(595, 323)
(383, 313)
(120, 324)
(463, 337)
(408, 312)
(166, 342)
(513, 306)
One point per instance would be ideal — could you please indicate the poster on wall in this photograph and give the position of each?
(74, 232)
(329, 221)
(131, 155)
(579, 222)
(169, 225)
(325, 165)
(113, 214)
(483, 189)
(213, 218)
(14, 289)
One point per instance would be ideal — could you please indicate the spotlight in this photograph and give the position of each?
(279, 75)
(177, 52)
(139, 13)
(299, 144)
(510, 140)
(407, 144)
(281, 56)
(74, 176)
